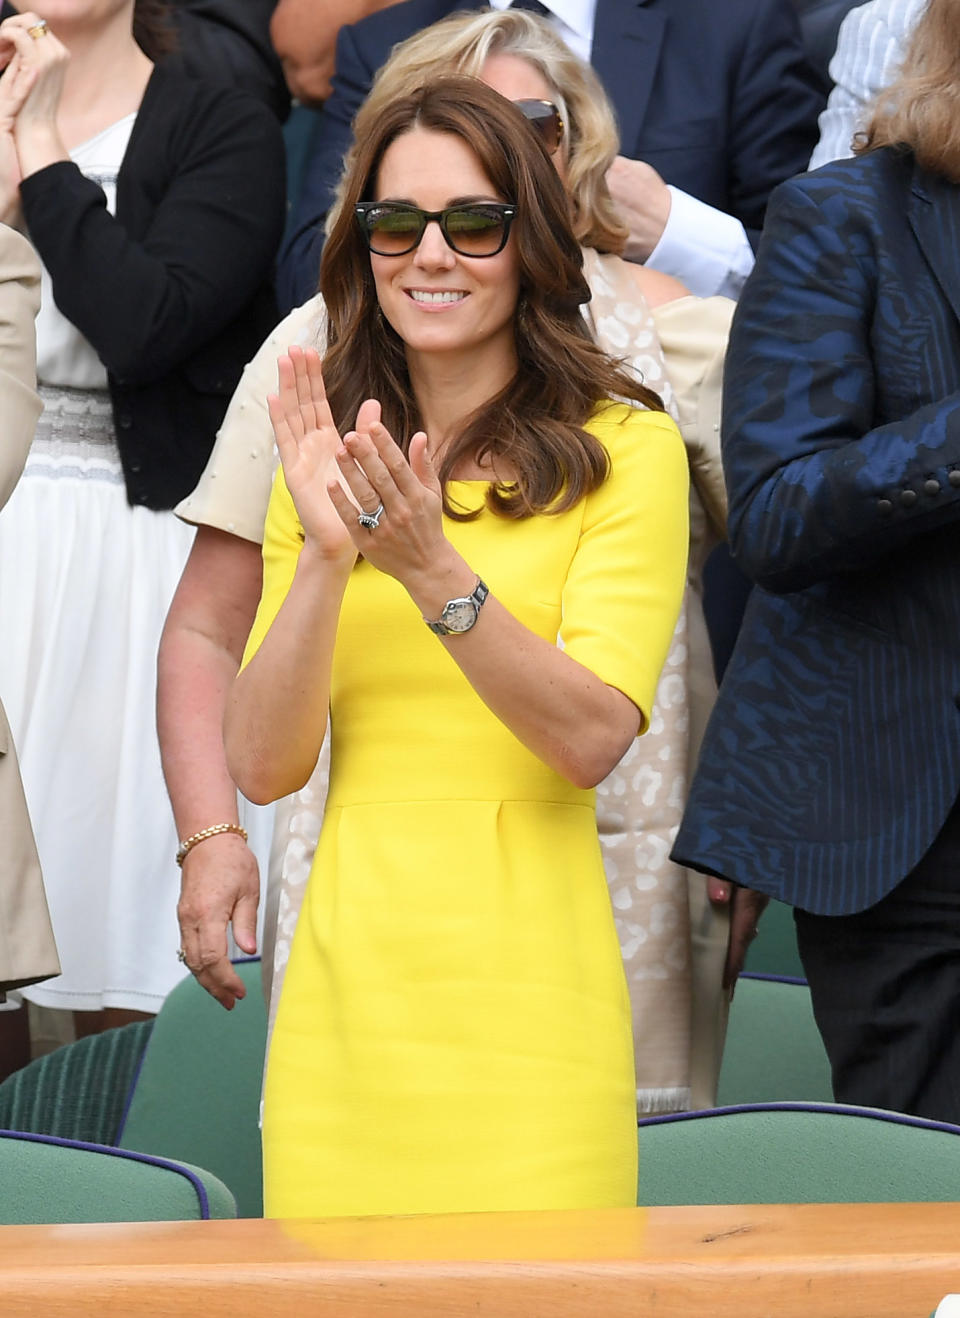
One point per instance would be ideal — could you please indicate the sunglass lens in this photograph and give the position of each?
(544, 117)
(392, 232)
(475, 230)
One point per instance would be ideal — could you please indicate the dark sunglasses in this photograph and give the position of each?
(392, 228)
(545, 118)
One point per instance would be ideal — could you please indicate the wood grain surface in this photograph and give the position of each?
(758, 1261)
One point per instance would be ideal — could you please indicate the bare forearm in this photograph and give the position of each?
(561, 711)
(194, 679)
(276, 713)
(200, 652)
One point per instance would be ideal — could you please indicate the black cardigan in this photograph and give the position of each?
(174, 292)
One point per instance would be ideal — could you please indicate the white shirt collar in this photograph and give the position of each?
(574, 21)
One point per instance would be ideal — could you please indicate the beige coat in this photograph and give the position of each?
(27, 949)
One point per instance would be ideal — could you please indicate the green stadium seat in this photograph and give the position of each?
(196, 1097)
(796, 1153)
(773, 1049)
(774, 950)
(47, 1180)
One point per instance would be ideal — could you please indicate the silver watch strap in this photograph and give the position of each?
(476, 597)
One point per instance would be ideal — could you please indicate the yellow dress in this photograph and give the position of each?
(454, 1030)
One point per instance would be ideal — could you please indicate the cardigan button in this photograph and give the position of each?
(885, 507)
(954, 478)
(908, 498)
(931, 486)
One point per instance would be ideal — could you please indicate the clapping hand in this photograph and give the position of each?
(407, 540)
(307, 441)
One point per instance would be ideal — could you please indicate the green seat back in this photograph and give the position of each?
(773, 1049)
(79, 1091)
(794, 1154)
(48, 1180)
(774, 950)
(197, 1096)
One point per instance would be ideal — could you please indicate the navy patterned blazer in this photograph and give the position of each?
(833, 755)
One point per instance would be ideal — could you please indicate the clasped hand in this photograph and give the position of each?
(332, 479)
(30, 88)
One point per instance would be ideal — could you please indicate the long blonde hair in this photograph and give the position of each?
(921, 108)
(461, 45)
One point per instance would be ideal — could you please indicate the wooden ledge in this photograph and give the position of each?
(757, 1261)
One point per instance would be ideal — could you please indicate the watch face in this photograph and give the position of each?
(459, 615)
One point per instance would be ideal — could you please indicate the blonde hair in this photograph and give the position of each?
(920, 110)
(461, 45)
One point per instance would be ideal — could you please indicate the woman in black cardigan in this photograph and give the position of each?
(155, 203)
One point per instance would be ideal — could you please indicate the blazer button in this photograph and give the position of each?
(931, 486)
(908, 498)
(136, 466)
(954, 478)
(125, 421)
(885, 507)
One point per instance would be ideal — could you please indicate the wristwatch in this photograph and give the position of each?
(459, 615)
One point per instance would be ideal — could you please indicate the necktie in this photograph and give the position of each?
(532, 6)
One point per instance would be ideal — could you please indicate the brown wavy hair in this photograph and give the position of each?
(462, 43)
(153, 28)
(920, 110)
(535, 424)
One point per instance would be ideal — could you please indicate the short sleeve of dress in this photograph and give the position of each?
(233, 491)
(625, 584)
(282, 542)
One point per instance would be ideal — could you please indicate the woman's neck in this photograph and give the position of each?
(91, 101)
(449, 387)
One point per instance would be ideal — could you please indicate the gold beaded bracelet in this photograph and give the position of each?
(188, 844)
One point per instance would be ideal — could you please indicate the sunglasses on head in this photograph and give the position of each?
(393, 228)
(545, 118)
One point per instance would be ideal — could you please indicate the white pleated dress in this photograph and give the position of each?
(85, 584)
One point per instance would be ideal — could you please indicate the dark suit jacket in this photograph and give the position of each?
(716, 96)
(833, 755)
(820, 23)
(174, 293)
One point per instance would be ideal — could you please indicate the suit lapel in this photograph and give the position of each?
(627, 36)
(934, 214)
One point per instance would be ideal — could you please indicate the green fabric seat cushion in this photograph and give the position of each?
(796, 1153)
(49, 1180)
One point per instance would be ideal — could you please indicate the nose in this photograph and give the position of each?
(433, 252)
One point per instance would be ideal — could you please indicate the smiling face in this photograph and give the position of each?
(437, 300)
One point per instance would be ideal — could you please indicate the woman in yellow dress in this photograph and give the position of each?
(481, 608)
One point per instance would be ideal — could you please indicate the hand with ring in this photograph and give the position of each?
(370, 521)
(400, 526)
(38, 63)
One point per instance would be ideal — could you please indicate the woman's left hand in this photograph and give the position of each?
(408, 542)
(45, 58)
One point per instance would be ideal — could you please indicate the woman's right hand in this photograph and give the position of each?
(220, 886)
(15, 86)
(307, 441)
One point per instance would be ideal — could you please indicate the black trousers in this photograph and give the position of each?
(885, 984)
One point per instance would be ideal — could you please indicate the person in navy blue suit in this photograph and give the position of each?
(717, 100)
(830, 773)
